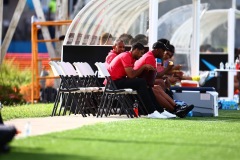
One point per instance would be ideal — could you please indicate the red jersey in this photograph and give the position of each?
(111, 55)
(119, 63)
(160, 68)
(149, 76)
(147, 58)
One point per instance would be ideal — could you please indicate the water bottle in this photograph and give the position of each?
(226, 65)
(232, 66)
(28, 129)
(221, 66)
(190, 114)
(159, 65)
(135, 108)
(236, 98)
(219, 105)
(237, 65)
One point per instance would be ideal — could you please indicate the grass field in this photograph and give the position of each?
(138, 139)
(27, 111)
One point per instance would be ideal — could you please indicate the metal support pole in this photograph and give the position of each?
(194, 55)
(231, 44)
(234, 4)
(153, 19)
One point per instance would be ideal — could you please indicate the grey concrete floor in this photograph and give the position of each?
(39, 126)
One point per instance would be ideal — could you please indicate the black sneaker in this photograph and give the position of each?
(183, 110)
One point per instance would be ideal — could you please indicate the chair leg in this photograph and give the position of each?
(79, 102)
(100, 105)
(124, 105)
(76, 100)
(56, 104)
(142, 107)
(129, 105)
(65, 104)
(109, 105)
(89, 105)
(84, 104)
(113, 107)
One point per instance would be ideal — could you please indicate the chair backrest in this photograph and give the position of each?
(87, 73)
(89, 69)
(67, 68)
(80, 69)
(84, 68)
(102, 69)
(71, 77)
(55, 68)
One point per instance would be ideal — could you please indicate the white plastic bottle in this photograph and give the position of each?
(232, 66)
(226, 65)
(236, 98)
(28, 129)
(221, 66)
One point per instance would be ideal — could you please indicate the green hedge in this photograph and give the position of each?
(11, 79)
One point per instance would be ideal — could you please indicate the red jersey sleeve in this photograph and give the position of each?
(127, 60)
(151, 61)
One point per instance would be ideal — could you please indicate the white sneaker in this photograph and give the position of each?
(156, 114)
(168, 115)
(203, 78)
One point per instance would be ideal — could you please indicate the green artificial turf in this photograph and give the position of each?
(213, 138)
(26, 111)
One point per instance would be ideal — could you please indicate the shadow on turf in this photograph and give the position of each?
(19, 153)
(128, 141)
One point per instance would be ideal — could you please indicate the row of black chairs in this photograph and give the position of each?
(80, 92)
